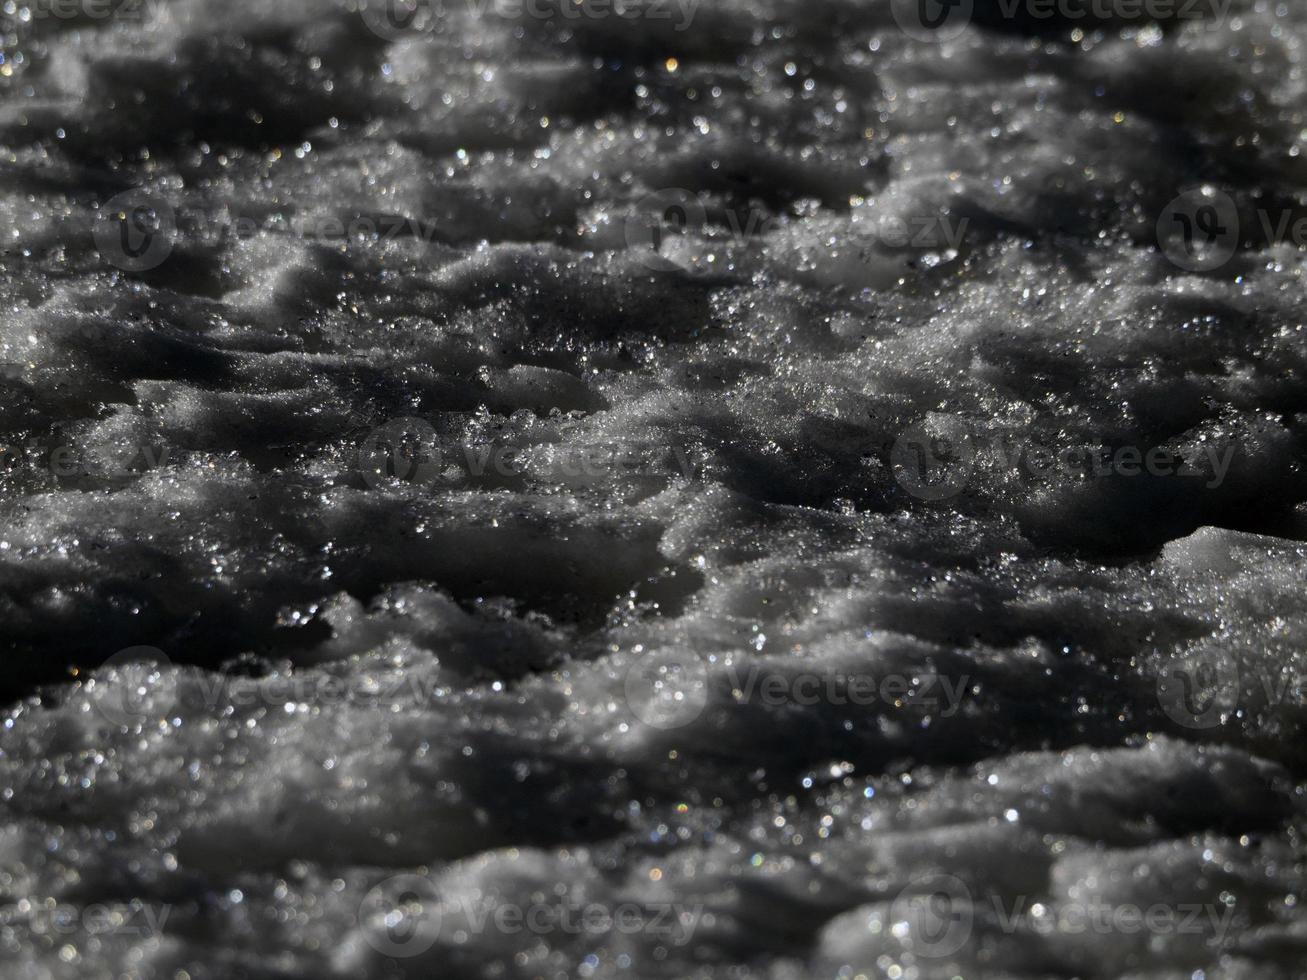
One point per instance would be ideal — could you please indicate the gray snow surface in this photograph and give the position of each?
(728, 489)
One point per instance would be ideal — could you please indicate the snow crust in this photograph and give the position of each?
(658, 620)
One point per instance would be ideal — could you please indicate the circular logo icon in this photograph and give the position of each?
(392, 20)
(126, 679)
(1199, 230)
(403, 451)
(932, 20)
(401, 916)
(657, 217)
(135, 231)
(1200, 691)
(667, 689)
(934, 458)
(932, 916)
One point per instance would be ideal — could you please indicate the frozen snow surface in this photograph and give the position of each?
(766, 489)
